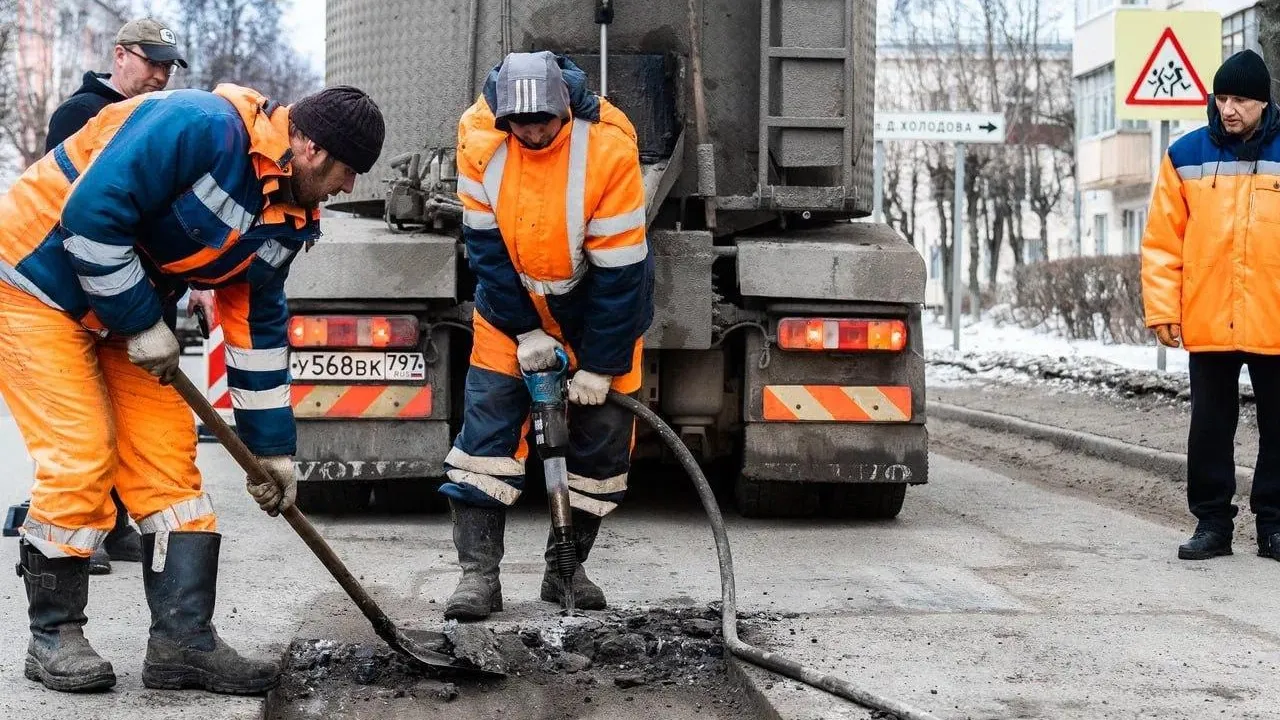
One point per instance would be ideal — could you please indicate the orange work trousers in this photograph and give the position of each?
(92, 421)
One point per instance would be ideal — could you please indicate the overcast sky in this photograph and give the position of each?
(304, 20)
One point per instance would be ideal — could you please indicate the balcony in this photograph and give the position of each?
(1119, 158)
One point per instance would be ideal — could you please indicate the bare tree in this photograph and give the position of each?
(240, 41)
(993, 55)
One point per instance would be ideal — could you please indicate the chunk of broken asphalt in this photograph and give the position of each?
(618, 649)
(475, 645)
(573, 662)
(700, 627)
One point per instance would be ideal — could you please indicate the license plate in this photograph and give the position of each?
(357, 366)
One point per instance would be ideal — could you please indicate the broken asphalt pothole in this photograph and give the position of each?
(636, 663)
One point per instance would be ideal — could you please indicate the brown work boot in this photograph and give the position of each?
(478, 535)
(59, 656)
(184, 650)
(586, 594)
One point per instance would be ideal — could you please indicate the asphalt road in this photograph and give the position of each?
(993, 595)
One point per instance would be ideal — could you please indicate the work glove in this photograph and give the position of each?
(536, 351)
(277, 493)
(588, 388)
(156, 350)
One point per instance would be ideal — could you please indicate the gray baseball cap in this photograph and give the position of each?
(155, 39)
(530, 83)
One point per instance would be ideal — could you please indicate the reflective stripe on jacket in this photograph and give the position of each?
(157, 193)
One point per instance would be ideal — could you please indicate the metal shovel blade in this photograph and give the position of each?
(382, 624)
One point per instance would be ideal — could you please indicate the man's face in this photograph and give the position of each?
(1239, 115)
(536, 135)
(135, 74)
(317, 175)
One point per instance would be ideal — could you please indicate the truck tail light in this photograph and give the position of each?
(841, 334)
(391, 331)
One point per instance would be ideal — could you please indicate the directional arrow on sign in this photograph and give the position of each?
(989, 127)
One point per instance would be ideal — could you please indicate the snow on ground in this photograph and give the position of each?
(987, 336)
(998, 351)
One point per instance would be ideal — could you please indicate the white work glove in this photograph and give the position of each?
(536, 351)
(156, 350)
(277, 494)
(588, 388)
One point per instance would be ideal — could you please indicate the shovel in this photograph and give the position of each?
(382, 624)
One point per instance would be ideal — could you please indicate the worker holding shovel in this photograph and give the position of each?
(157, 193)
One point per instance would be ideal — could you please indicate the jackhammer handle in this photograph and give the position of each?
(299, 522)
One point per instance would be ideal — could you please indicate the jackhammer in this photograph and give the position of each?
(550, 418)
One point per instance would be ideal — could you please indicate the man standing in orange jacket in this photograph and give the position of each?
(554, 225)
(1211, 283)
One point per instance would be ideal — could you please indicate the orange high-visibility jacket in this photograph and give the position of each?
(556, 236)
(1211, 250)
(157, 193)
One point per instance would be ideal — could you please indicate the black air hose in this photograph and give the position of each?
(729, 614)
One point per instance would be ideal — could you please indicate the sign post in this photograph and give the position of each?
(1162, 61)
(957, 128)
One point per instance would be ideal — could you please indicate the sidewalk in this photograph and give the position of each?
(1150, 421)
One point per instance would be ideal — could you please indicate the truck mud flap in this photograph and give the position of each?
(837, 453)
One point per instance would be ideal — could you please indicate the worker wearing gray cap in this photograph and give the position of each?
(145, 54)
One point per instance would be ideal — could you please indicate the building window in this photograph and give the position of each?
(1095, 102)
(1135, 222)
(1100, 234)
(1240, 32)
(1086, 9)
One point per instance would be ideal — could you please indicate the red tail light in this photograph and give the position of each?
(841, 334)
(392, 331)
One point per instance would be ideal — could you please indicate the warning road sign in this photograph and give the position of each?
(1169, 78)
(1162, 59)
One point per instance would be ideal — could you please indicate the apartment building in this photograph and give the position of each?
(1116, 160)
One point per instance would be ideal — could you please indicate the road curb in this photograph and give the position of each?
(1136, 456)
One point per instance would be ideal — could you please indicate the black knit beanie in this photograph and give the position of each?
(345, 122)
(1244, 75)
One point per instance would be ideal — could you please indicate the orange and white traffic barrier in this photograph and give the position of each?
(837, 403)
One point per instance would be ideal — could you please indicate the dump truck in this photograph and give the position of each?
(786, 347)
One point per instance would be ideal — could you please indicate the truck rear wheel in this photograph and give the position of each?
(766, 498)
(869, 501)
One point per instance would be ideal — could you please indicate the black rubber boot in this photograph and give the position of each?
(59, 656)
(1269, 546)
(1205, 544)
(478, 535)
(184, 650)
(123, 543)
(586, 594)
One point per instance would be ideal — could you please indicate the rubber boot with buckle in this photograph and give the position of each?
(478, 535)
(184, 651)
(59, 655)
(586, 594)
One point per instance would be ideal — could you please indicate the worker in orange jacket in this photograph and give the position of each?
(1211, 283)
(554, 225)
(157, 193)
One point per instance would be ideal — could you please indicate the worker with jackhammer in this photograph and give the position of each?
(157, 193)
(554, 226)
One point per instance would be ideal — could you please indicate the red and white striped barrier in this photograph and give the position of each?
(215, 364)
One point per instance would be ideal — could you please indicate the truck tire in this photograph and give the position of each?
(766, 498)
(333, 497)
(878, 501)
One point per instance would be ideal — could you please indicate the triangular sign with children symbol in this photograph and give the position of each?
(1168, 78)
